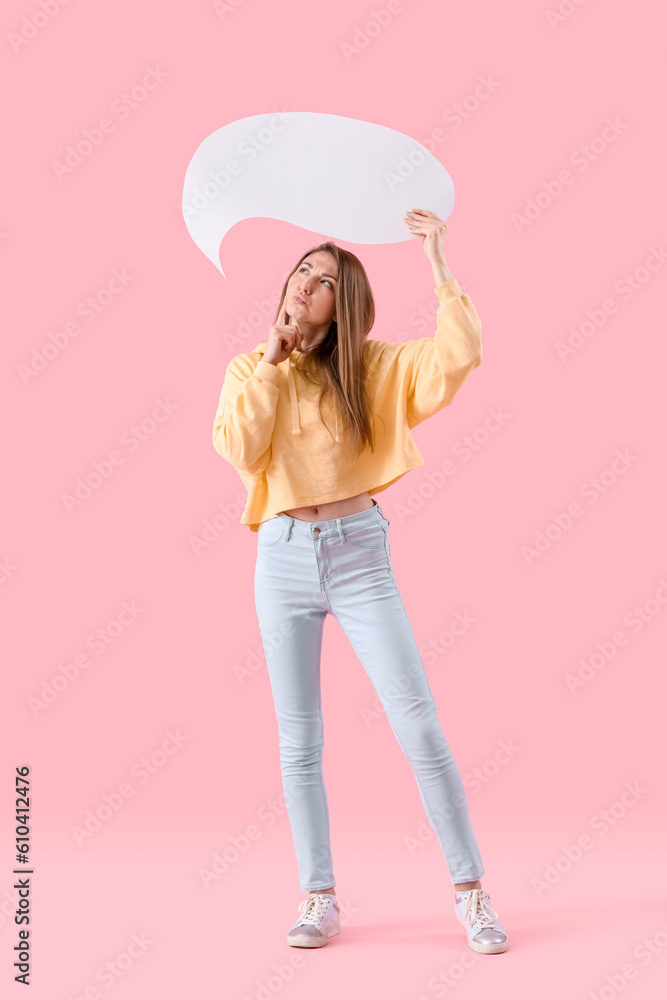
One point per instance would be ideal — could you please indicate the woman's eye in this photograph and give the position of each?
(304, 268)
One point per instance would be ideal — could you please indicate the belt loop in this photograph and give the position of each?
(340, 529)
(289, 529)
(382, 512)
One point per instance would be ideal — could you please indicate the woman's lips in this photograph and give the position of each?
(298, 300)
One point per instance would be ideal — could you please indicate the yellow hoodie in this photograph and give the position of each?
(268, 427)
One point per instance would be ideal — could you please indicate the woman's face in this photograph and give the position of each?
(314, 282)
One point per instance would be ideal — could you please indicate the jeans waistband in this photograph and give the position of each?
(333, 525)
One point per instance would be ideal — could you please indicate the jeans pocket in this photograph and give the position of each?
(369, 536)
(271, 532)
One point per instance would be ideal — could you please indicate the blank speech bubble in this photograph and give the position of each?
(351, 180)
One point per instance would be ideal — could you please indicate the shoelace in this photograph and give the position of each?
(478, 909)
(311, 910)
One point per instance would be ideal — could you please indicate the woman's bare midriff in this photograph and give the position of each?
(337, 508)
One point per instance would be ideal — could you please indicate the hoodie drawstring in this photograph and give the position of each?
(294, 403)
(296, 423)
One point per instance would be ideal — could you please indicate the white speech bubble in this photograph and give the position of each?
(347, 179)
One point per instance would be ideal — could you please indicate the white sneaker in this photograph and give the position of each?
(473, 910)
(319, 919)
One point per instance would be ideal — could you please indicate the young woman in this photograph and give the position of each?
(323, 545)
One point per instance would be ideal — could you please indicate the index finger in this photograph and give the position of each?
(283, 314)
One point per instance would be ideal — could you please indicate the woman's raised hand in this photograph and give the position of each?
(421, 222)
(284, 336)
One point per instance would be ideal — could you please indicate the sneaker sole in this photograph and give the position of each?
(486, 949)
(489, 949)
(310, 942)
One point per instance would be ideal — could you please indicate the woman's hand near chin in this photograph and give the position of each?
(284, 337)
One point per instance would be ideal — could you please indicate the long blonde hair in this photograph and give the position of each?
(337, 364)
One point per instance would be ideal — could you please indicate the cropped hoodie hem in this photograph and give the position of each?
(268, 427)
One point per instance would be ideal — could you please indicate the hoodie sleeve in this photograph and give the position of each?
(246, 414)
(433, 369)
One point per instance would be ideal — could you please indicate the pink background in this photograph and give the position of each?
(168, 335)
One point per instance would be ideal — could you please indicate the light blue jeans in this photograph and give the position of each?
(342, 567)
